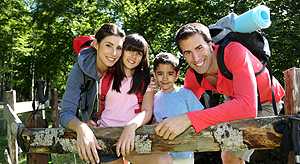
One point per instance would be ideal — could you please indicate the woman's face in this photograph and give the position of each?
(109, 51)
(131, 59)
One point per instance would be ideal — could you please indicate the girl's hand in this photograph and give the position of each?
(125, 143)
(87, 144)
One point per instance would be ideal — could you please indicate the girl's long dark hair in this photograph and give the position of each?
(141, 76)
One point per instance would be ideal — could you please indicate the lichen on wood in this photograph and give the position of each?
(229, 138)
(142, 144)
(68, 145)
(47, 137)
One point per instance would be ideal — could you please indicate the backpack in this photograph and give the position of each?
(82, 41)
(222, 34)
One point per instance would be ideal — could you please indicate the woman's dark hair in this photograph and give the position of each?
(141, 76)
(108, 29)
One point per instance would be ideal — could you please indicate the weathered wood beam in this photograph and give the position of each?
(253, 133)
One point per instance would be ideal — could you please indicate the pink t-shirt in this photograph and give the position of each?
(119, 107)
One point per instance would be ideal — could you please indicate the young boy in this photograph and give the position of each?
(172, 101)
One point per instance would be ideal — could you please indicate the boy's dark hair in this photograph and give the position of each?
(166, 58)
(190, 29)
(141, 76)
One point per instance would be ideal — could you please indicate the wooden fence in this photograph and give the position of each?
(256, 133)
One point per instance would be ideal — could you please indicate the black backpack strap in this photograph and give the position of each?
(226, 73)
(273, 95)
(220, 60)
(259, 107)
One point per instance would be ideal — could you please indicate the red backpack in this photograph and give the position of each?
(82, 41)
(105, 85)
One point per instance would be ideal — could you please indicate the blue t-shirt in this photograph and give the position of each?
(175, 103)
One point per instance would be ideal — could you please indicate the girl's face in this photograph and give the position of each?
(109, 51)
(131, 59)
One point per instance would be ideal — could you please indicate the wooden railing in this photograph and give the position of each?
(256, 133)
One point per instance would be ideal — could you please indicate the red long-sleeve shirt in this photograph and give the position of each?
(242, 89)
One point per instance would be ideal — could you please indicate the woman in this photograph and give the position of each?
(92, 63)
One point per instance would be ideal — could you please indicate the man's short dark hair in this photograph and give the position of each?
(166, 58)
(190, 29)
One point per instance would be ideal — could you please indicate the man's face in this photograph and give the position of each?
(197, 53)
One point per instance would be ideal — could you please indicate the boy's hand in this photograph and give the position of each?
(152, 87)
(125, 143)
(172, 127)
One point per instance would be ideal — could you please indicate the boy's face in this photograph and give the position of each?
(166, 76)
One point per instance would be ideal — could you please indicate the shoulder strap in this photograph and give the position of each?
(105, 85)
(220, 60)
(226, 73)
(140, 97)
(234, 37)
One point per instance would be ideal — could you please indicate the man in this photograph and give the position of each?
(194, 42)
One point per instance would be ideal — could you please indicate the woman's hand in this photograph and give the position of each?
(87, 144)
(125, 143)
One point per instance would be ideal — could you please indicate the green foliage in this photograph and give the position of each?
(36, 35)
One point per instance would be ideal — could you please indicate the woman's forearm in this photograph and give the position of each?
(75, 124)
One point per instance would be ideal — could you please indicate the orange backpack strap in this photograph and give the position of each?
(105, 85)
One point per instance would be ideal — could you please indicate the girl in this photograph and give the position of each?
(92, 63)
(121, 107)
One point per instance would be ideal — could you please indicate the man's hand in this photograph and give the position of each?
(126, 141)
(87, 144)
(172, 127)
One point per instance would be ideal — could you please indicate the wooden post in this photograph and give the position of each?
(292, 91)
(12, 130)
(3, 123)
(292, 97)
(10, 98)
(13, 120)
(54, 106)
